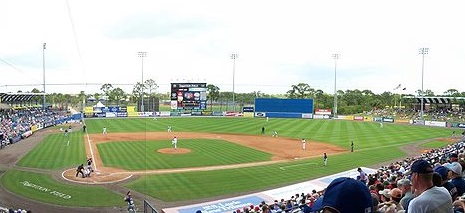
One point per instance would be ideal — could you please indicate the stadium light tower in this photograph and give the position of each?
(423, 51)
(142, 55)
(233, 57)
(335, 57)
(43, 71)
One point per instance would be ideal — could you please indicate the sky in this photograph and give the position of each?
(279, 44)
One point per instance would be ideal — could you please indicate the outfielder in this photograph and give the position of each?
(174, 142)
(304, 143)
(275, 134)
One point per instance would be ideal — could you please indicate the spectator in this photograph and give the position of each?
(362, 176)
(347, 195)
(444, 173)
(393, 205)
(455, 174)
(429, 198)
(406, 187)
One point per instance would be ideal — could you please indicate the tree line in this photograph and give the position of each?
(349, 101)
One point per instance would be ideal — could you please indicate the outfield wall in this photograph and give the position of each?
(283, 108)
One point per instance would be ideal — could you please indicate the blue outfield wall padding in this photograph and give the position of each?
(283, 105)
(283, 115)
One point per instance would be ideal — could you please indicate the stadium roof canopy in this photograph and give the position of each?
(435, 99)
(17, 97)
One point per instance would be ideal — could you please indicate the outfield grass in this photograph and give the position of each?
(336, 132)
(372, 145)
(42, 187)
(204, 152)
(198, 185)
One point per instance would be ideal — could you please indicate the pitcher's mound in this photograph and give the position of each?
(173, 151)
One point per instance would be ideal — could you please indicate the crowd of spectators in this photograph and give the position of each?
(391, 189)
(438, 114)
(16, 124)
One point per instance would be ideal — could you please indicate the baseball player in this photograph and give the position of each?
(79, 170)
(89, 164)
(104, 131)
(275, 134)
(130, 201)
(325, 159)
(169, 128)
(304, 143)
(174, 142)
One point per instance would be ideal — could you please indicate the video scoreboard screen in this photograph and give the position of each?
(188, 96)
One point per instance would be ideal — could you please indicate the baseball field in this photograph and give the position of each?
(215, 158)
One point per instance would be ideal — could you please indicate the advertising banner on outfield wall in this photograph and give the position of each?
(359, 118)
(345, 117)
(307, 115)
(260, 114)
(461, 125)
(377, 119)
(323, 112)
(121, 114)
(321, 116)
(388, 120)
(435, 123)
(418, 122)
(110, 114)
(248, 109)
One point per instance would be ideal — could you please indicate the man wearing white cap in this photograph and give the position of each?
(455, 174)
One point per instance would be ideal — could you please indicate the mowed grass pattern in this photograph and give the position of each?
(43, 187)
(56, 153)
(372, 145)
(337, 132)
(198, 185)
(204, 152)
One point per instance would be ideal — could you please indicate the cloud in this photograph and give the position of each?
(153, 25)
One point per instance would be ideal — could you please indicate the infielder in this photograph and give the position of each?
(174, 142)
(169, 128)
(304, 143)
(104, 131)
(275, 134)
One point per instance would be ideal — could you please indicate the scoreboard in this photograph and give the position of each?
(188, 96)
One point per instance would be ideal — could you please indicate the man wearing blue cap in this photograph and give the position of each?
(429, 198)
(346, 195)
(444, 173)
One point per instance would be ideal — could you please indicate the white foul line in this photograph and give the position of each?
(90, 147)
(310, 163)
